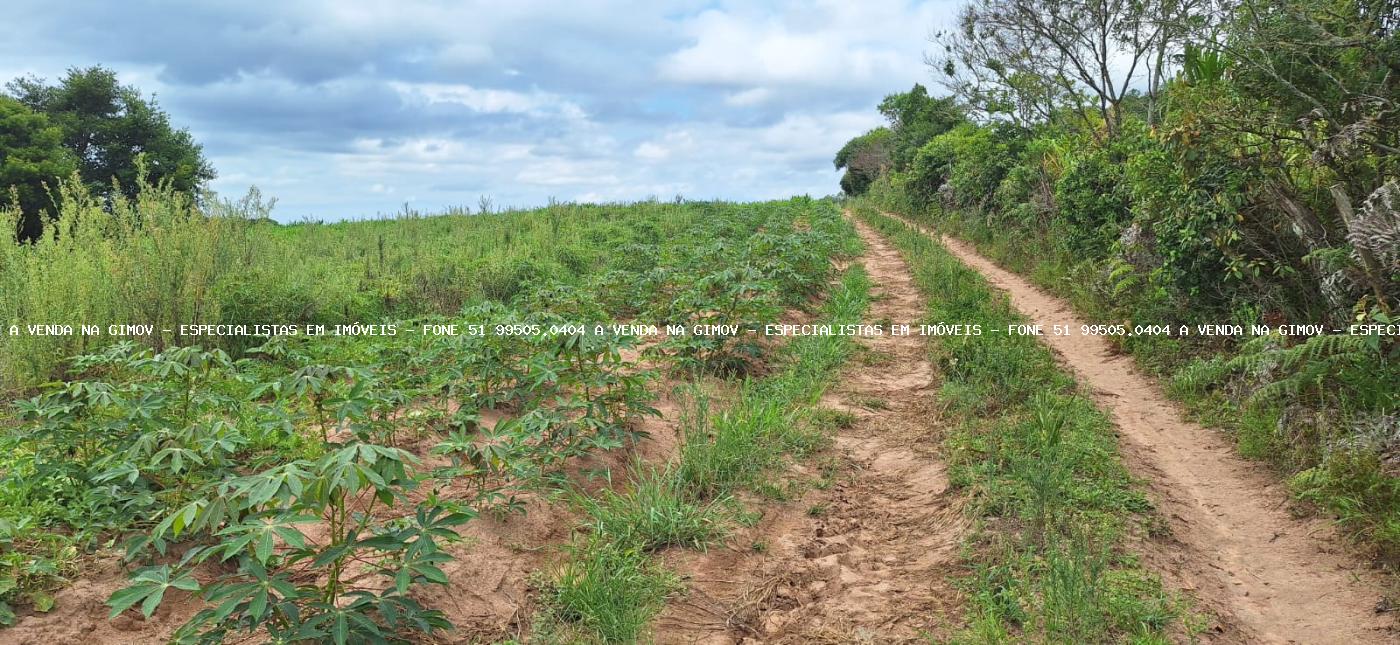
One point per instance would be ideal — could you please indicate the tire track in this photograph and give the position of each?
(870, 559)
(1268, 576)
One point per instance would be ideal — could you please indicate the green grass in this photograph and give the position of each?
(1039, 463)
(608, 587)
(656, 512)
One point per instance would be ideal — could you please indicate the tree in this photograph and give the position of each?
(32, 159)
(915, 118)
(865, 158)
(1028, 59)
(1313, 103)
(108, 126)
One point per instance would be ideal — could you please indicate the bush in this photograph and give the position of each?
(1092, 205)
(962, 167)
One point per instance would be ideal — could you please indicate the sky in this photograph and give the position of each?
(346, 109)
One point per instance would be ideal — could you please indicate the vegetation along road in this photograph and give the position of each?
(1230, 540)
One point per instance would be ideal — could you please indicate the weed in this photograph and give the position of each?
(828, 420)
(610, 589)
(870, 402)
(655, 513)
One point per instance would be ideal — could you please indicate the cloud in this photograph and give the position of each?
(347, 108)
(828, 45)
(751, 96)
(649, 151)
(489, 101)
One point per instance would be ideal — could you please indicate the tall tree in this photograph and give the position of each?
(107, 126)
(915, 118)
(1030, 59)
(865, 158)
(32, 160)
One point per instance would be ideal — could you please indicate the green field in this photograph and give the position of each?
(231, 450)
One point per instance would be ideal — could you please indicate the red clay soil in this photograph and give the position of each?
(1268, 575)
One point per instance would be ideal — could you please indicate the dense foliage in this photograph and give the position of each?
(915, 118)
(1246, 172)
(109, 134)
(31, 155)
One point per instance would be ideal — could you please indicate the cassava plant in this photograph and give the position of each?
(316, 549)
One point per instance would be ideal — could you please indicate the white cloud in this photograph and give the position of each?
(752, 96)
(489, 101)
(568, 172)
(817, 45)
(815, 136)
(462, 54)
(649, 151)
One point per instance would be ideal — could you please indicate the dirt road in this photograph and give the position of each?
(870, 558)
(1269, 576)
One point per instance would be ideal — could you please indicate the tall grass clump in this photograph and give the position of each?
(155, 260)
(1039, 463)
(655, 512)
(607, 589)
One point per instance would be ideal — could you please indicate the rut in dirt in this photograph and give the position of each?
(1269, 576)
(872, 557)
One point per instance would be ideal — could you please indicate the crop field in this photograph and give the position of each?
(310, 486)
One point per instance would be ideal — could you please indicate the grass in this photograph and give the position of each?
(768, 417)
(165, 261)
(608, 589)
(608, 586)
(1039, 462)
(830, 419)
(656, 512)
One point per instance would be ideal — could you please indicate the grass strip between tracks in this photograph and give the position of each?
(1054, 506)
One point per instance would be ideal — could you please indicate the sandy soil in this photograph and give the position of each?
(870, 558)
(1268, 575)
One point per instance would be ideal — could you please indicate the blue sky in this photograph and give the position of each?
(345, 109)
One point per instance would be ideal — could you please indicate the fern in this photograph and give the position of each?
(1306, 368)
(1377, 226)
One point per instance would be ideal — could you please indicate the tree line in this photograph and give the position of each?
(1234, 152)
(1174, 162)
(89, 128)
